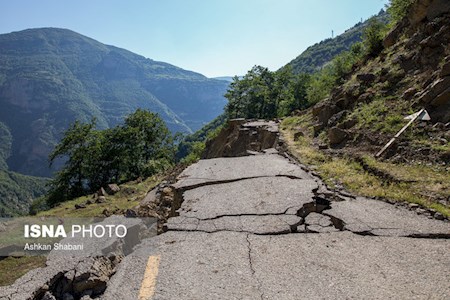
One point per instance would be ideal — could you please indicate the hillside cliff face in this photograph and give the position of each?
(411, 73)
(51, 77)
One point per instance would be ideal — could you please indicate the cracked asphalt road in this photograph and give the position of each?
(254, 228)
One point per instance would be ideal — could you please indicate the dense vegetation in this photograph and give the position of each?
(265, 94)
(17, 191)
(397, 9)
(139, 148)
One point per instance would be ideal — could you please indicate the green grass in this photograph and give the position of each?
(433, 144)
(404, 183)
(15, 267)
(128, 197)
(382, 115)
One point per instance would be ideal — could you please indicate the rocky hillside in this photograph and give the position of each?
(360, 116)
(412, 72)
(50, 77)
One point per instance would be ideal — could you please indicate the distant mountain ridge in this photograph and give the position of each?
(50, 77)
(318, 55)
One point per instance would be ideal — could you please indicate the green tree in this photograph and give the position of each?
(147, 144)
(397, 9)
(373, 36)
(320, 85)
(251, 96)
(291, 91)
(265, 94)
(141, 147)
(70, 181)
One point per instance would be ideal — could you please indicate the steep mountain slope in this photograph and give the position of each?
(16, 190)
(318, 55)
(50, 77)
(342, 134)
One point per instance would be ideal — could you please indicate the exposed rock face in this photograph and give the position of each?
(242, 136)
(414, 69)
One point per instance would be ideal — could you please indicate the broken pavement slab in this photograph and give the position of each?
(256, 196)
(222, 170)
(260, 205)
(367, 216)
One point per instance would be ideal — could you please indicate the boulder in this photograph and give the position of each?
(347, 124)
(445, 71)
(101, 199)
(112, 188)
(131, 213)
(442, 98)
(409, 93)
(80, 206)
(366, 97)
(393, 35)
(336, 118)
(434, 90)
(324, 111)
(439, 216)
(366, 77)
(48, 296)
(336, 135)
(343, 102)
(102, 192)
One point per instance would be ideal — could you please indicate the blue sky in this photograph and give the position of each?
(212, 37)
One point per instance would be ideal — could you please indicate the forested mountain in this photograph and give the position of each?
(51, 77)
(318, 55)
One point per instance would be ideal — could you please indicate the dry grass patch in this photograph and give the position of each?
(411, 183)
(128, 197)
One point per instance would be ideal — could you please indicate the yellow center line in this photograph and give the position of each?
(149, 282)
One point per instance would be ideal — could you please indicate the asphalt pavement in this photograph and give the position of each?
(254, 227)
